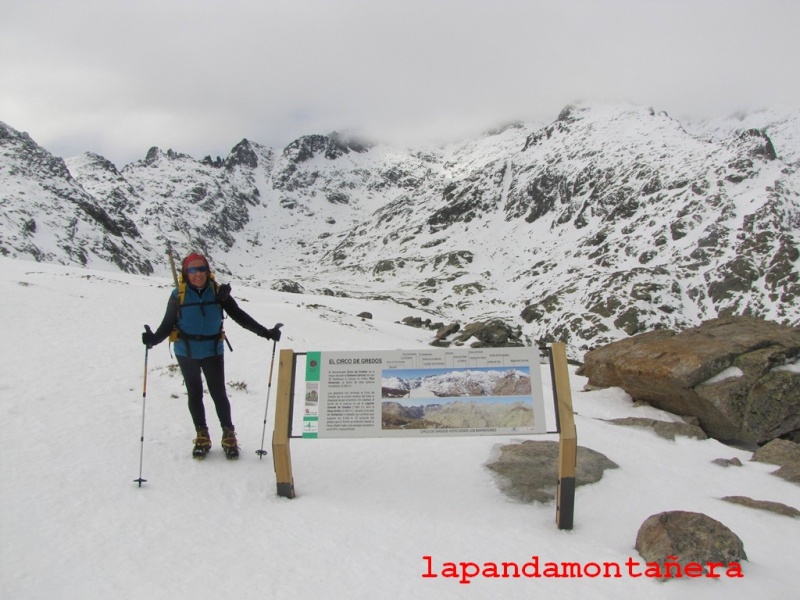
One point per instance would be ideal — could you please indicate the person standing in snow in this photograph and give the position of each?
(196, 319)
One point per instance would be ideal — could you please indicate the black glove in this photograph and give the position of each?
(271, 334)
(148, 337)
(223, 293)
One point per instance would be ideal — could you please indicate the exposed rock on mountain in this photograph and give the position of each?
(48, 216)
(494, 333)
(192, 205)
(331, 147)
(739, 376)
(608, 222)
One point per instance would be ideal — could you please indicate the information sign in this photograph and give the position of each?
(423, 393)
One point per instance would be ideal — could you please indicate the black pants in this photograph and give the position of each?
(213, 369)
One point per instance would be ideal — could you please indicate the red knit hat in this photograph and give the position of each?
(192, 257)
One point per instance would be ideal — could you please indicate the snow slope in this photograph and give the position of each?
(74, 524)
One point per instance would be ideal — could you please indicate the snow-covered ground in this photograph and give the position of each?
(74, 524)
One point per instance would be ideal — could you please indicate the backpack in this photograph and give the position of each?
(176, 333)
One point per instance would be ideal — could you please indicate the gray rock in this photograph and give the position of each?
(776, 507)
(287, 285)
(529, 470)
(779, 452)
(727, 462)
(665, 429)
(783, 453)
(494, 333)
(793, 437)
(420, 323)
(447, 330)
(684, 537)
(790, 474)
(677, 373)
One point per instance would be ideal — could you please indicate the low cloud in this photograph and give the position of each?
(117, 78)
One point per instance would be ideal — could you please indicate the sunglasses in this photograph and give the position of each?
(193, 270)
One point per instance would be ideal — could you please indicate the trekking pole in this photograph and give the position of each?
(140, 481)
(262, 452)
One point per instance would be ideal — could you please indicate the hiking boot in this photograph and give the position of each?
(229, 443)
(202, 443)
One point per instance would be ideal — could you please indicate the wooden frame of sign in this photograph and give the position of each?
(281, 456)
(567, 439)
(567, 436)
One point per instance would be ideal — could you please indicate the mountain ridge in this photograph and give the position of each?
(609, 221)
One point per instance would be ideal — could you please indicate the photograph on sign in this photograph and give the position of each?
(311, 408)
(456, 398)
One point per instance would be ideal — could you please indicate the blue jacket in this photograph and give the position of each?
(200, 315)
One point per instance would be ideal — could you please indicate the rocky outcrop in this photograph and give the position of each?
(330, 146)
(494, 333)
(421, 323)
(529, 470)
(687, 537)
(665, 429)
(289, 286)
(737, 375)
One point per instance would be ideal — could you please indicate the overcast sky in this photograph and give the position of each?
(119, 76)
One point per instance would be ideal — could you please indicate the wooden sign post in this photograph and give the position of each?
(567, 447)
(567, 437)
(281, 456)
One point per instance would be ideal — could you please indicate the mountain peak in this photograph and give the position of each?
(608, 221)
(330, 146)
(242, 154)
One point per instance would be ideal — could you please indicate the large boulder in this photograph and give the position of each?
(529, 470)
(739, 376)
(687, 537)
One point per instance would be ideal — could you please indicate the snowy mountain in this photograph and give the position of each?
(468, 382)
(49, 217)
(609, 221)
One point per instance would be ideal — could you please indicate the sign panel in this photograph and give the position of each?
(423, 393)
